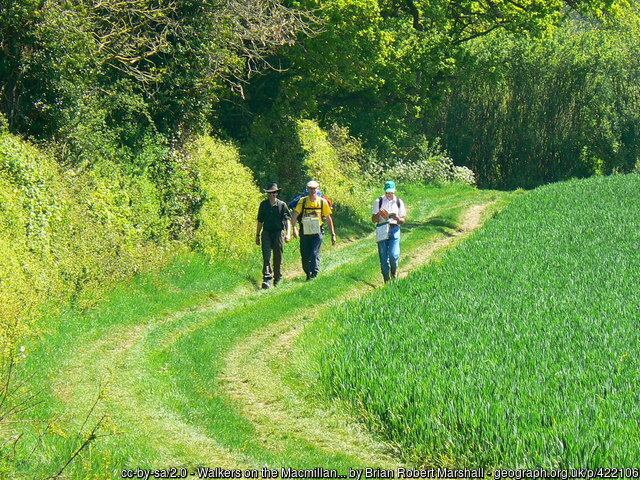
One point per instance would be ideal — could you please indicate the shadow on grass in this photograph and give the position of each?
(440, 224)
(255, 283)
(361, 280)
(349, 224)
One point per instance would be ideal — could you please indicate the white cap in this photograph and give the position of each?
(313, 184)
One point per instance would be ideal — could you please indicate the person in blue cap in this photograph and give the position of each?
(389, 212)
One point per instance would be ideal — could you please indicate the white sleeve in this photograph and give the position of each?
(402, 210)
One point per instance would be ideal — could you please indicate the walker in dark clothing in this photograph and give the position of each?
(272, 243)
(273, 219)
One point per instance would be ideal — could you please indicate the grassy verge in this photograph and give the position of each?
(150, 361)
(60, 359)
(517, 349)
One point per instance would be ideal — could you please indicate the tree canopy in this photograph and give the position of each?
(116, 77)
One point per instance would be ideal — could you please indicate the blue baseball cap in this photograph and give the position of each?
(389, 186)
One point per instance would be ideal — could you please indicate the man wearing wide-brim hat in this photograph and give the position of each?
(274, 229)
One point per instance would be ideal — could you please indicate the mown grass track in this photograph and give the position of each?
(171, 381)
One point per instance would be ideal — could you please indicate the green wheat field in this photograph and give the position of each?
(520, 349)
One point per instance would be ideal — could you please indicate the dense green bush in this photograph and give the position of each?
(66, 233)
(523, 112)
(293, 151)
(30, 210)
(332, 164)
(230, 197)
(273, 152)
(428, 163)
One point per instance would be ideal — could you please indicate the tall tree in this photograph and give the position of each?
(526, 113)
(380, 66)
(165, 62)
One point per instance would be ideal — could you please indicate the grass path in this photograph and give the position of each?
(209, 385)
(114, 368)
(255, 369)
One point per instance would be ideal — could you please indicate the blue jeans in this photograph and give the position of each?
(389, 251)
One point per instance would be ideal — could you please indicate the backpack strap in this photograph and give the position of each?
(304, 206)
(382, 198)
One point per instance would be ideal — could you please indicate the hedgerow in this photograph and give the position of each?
(331, 160)
(66, 234)
(226, 219)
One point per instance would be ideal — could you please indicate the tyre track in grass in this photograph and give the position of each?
(253, 377)
(117, 365)
(113, 368)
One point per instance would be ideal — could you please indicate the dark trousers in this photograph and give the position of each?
(272, 243)
(310, 246)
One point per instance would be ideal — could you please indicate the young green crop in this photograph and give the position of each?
(519, 349)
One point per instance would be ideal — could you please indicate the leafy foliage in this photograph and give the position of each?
(429, 163)
(523, 113)
(27, 219)
(94, 66)
(115, 79)
(292, 151)
(226, 219)
(381, 67)
(66, 234)
(330, 164)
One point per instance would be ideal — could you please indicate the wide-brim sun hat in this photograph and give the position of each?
(389, 186)
(313, 184)
(273, 187)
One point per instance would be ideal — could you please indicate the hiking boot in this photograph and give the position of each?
(276, 282)
(394, 273)
(266, 284)
(385, 276)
